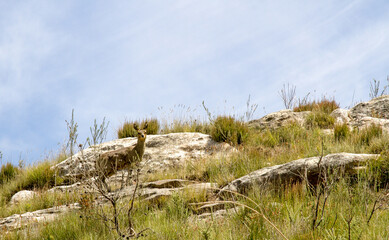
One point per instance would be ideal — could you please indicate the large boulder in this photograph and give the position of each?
(279, 119)
(161, 152)
(376, 108)
(297, 170)
(375, 111)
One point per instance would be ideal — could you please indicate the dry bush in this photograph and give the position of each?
(324, 105)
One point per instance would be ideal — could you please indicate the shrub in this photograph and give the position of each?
(341, 132)
(319, 119)
(227, 129)
(324, 105)
(380, 169)
(127, 130)
(7, 172)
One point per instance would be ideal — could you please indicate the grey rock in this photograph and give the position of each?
(279, 119)
(295, 171)
(375, 111)
(376, 108)
(21, 196)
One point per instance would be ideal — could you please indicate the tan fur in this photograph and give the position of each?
(128, 157)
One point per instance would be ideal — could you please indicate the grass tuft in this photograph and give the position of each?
(320, 120)
(228, 129)
(324, 105)
(341, 132)
(127, 129)
(8, 172)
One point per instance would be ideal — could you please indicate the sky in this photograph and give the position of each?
(126, 60)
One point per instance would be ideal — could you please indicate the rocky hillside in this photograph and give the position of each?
(198, 163)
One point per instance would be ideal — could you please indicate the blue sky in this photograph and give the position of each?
(126, 59)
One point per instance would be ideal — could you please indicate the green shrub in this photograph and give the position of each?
(320, 120)
(39, 176)
(7, 172)
(127, 130)
(341, 132)
(324, 105)
(227, 129)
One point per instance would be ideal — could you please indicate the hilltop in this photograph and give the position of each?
(313, 172)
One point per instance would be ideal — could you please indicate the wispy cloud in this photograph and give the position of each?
(124, 59)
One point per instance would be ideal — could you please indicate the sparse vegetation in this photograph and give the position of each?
(341, 132)
(375, 89)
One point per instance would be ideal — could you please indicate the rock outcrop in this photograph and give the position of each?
(297, 170)
(375, 111)
(162, 152)
(376, 108)
(279, 119)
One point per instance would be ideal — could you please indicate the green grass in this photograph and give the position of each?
(7, 173)
(36, 177)
(228, 129)
(127, 129)
(42, 200)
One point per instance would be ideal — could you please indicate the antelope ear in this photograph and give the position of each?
(146, 125)
(136, 127)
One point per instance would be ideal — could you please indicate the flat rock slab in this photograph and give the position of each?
(161, 152)
(153, 191)
(168, 183)
(296, 170)
(18, 221)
